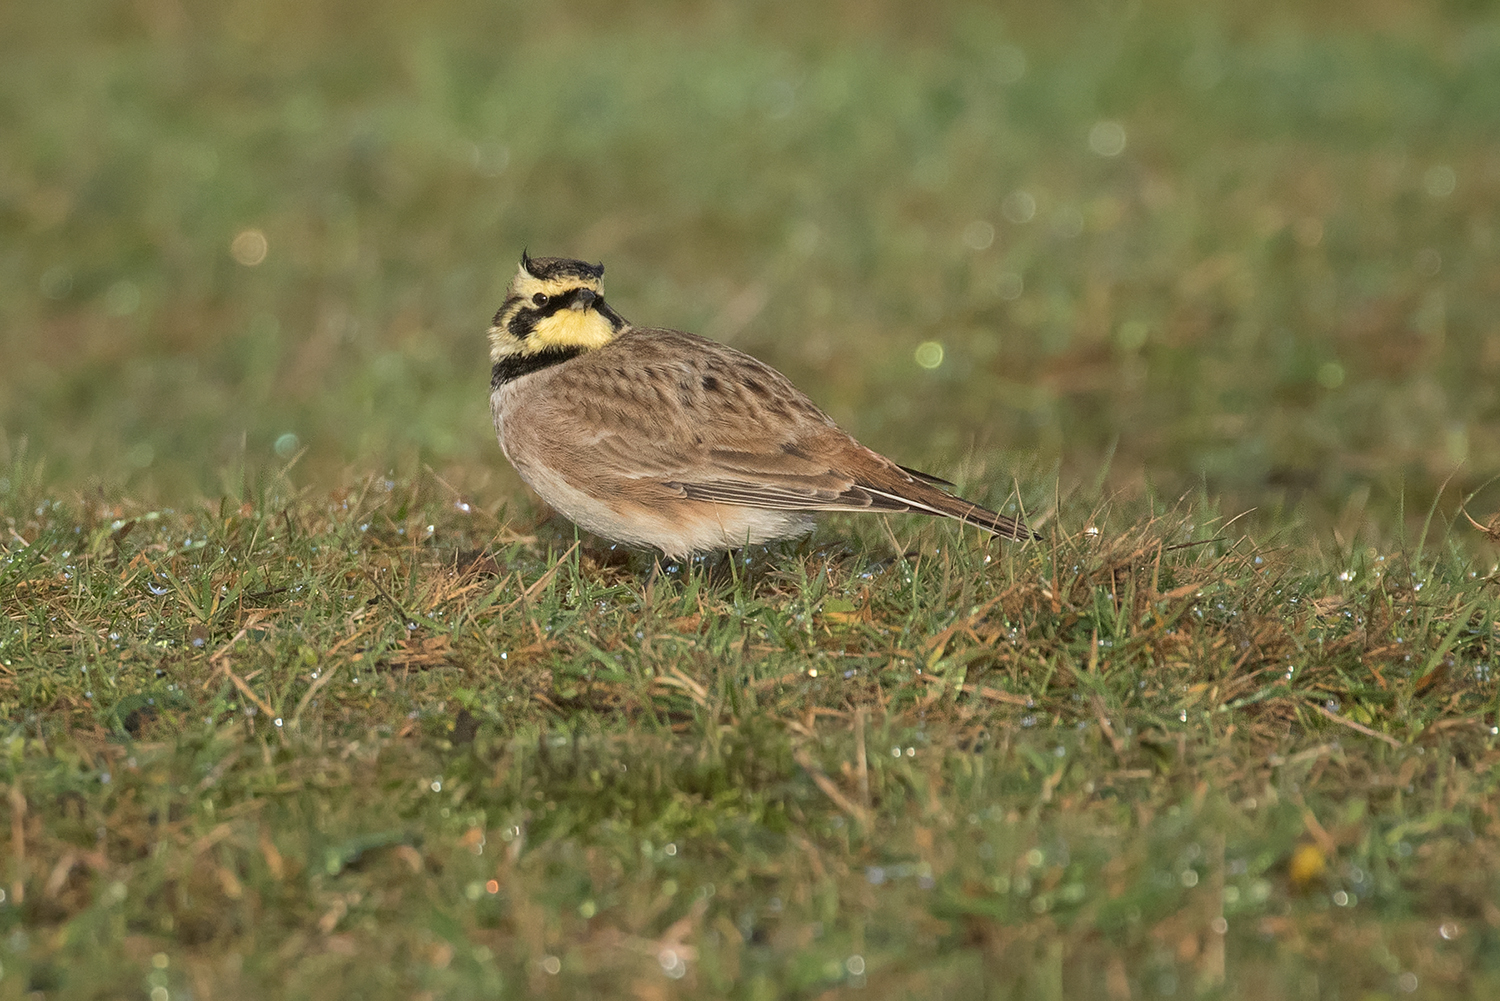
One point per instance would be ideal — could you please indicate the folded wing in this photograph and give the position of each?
(705, 422)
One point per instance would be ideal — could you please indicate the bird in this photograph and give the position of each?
(660, 439)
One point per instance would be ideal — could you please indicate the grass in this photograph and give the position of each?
(301, 697)
(1280, 287)
(303, 743)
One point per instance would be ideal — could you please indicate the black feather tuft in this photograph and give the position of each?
(547, 268)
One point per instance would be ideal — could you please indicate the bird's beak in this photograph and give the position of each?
(582, 299)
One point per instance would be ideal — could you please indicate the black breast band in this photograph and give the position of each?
(516, 365)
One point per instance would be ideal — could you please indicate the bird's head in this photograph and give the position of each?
(554, 304)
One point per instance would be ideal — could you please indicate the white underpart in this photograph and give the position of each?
(682, 528)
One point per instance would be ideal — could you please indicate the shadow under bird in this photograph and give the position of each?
(661, 439)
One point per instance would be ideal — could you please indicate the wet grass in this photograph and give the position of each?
(302, 697)
(383, 741)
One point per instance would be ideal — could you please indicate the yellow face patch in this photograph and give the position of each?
(570, 328)
(585, 328)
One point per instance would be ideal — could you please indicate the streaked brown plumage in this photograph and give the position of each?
(663, 439)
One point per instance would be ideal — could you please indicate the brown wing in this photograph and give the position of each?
(667, 413)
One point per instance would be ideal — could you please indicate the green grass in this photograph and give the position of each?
(1282, 286)
(302, 697)
(300, 743)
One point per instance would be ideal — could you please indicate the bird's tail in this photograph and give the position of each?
(921, 495)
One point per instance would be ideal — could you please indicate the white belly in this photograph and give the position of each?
(676, 526)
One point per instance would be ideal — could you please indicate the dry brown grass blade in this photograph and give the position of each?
(1317, 831)
(830, 789)
(251, 621)
(676, 935)
(677, 679)
(760, 684)
(996, 695)
(248, 692)
(70, 860)
(1311, 754)
(326, 675)
(1491, 529)
(541, 581)
(1105, 727)
(861, 758)
(421, 652)
(1359, 727)
(18, 842)
(60, 874)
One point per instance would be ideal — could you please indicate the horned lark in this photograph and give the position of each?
(666, 440)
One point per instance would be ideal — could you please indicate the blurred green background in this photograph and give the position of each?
(1247, 247)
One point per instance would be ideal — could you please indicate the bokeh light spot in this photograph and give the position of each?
(1107, 138)
(249, 247)
(1019, 207)
(978, 235)
(1440, 181)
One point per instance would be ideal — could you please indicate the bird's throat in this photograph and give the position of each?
(577, 330)
(585, 329)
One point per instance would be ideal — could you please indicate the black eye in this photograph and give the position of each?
(540, 299)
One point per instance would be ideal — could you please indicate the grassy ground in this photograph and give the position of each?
(314, 743)
(304, 698)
